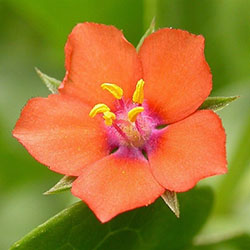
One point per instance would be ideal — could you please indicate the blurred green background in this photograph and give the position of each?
(33, 34)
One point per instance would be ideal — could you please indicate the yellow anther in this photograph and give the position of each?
(138, 95)
(133, 113)
(98, 108)
(109, 118)
(115, 90)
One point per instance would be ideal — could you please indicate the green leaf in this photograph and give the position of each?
(228, 189)
(237, 242)
(149, 31)
(171, 200)
(63, 185)
(152, 227)
(217, 103)
(51, 83)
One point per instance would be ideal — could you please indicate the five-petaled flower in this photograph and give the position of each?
(127, 124)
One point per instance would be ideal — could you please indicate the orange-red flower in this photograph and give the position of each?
(115, 98)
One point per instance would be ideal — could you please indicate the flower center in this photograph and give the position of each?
(131, 124)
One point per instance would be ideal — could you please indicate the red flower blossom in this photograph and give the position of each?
(68, 135)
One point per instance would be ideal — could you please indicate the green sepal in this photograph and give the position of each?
(63, 185)
(217, 103)
(149, 31)
(171, 200)
(51, 83)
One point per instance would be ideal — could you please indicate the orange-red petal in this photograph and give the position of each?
(96, 54)
(116, 184)
(58, 132)
(176, 74)
(189, 151)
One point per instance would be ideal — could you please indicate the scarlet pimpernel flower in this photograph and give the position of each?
(127, 123)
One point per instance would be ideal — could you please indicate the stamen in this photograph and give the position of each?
(133, 113)
(138, 96)
(119, 130)
(98, 108)
(109, 118)
(139, 128)
(115, 90)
